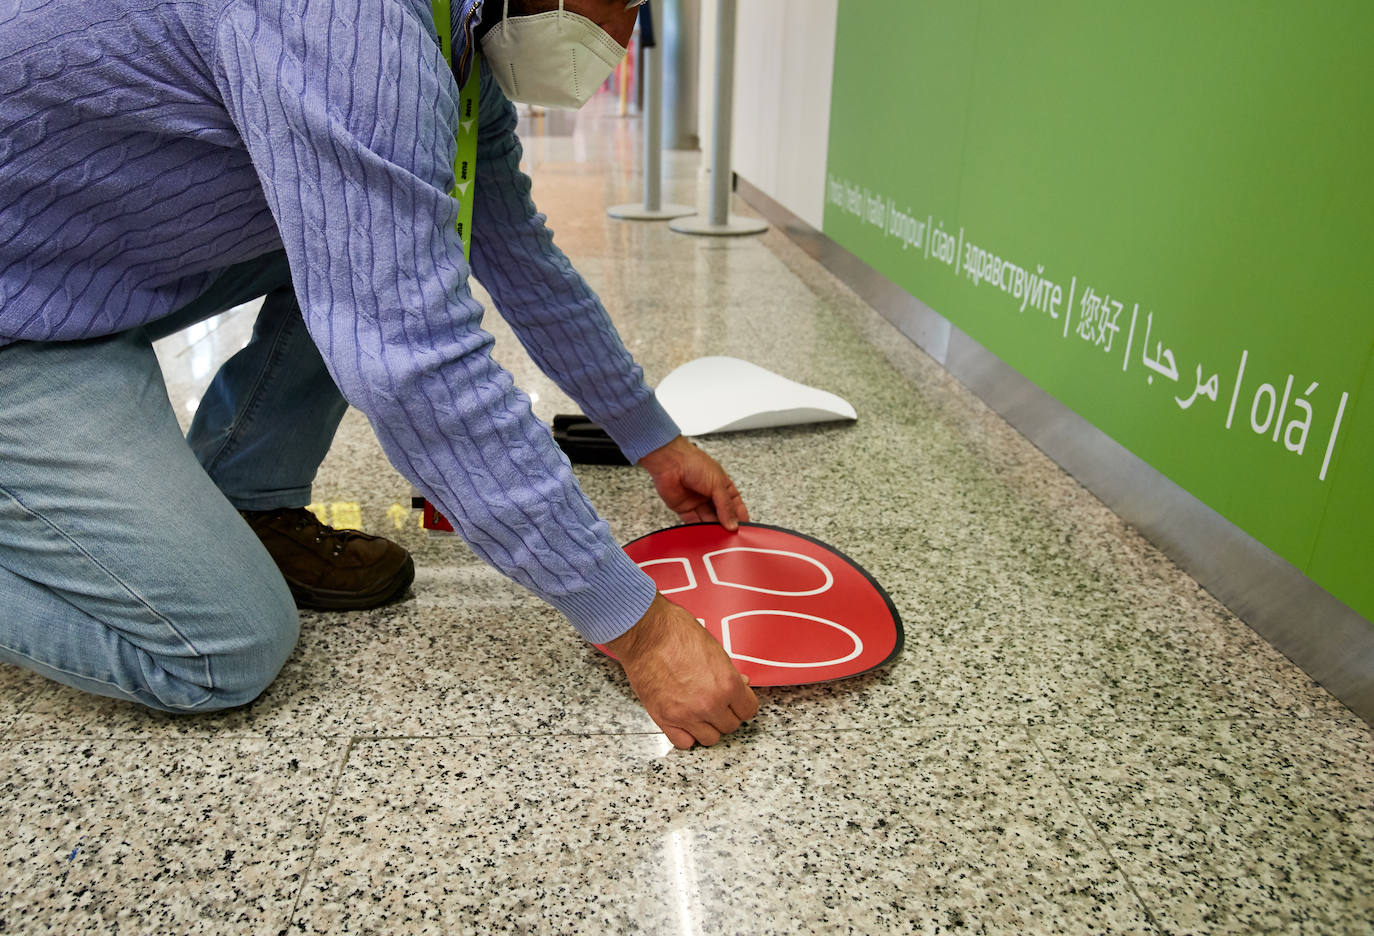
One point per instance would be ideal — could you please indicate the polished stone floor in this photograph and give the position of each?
(1076, 739)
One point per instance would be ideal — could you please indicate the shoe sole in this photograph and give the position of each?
(322, 599)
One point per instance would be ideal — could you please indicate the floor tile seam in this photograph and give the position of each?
(1077, 802)
(471, 736)
(1273, 718)
(1086, 821)
(468, 735)
(18, 714)
(161, 738)
(896, 725)
(1262, 718)
(737, 740)
(325, 816)
(910, 824)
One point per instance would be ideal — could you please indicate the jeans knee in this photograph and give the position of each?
(255, 642)
(273, 627)
(256, 669)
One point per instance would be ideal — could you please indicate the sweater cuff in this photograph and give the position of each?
(640, 430)
(616, 596)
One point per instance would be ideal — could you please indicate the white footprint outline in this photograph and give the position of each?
(711, 572)
(726, 642)
(686, 564)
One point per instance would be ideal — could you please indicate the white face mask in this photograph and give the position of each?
(553, 59)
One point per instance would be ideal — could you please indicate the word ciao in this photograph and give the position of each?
(1284, 410)
(914, 234)
(1031, 288)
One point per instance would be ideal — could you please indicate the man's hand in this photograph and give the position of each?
(694, 485)
(682, 676)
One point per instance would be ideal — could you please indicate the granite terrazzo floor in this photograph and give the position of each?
(1076, 739)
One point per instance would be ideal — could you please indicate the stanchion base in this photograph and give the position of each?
(637, 212)
(734, 225)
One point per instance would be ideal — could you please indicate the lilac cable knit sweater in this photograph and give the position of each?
(146, 144)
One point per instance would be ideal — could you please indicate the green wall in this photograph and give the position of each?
(1126, 203)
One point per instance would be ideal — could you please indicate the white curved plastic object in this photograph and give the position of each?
(725, 394)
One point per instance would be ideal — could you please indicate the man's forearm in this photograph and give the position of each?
(388, 303)
(552, 309)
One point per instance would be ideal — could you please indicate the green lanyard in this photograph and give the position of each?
(465, 159)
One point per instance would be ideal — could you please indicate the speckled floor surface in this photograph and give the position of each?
(1077, 738)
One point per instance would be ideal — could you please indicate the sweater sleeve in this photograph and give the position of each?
(553, 311)
(347, 110)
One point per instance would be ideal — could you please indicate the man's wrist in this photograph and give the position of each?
(615, 595)
(631, 643)
(654, 460)
(644, 427)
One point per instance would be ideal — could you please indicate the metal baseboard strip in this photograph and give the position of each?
(1325, 637)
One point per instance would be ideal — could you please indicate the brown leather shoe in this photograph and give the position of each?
(329, 569)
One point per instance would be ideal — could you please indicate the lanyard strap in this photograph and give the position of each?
(465, 158)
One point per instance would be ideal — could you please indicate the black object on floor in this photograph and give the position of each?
(584, 442)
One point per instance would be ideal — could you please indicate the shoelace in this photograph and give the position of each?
(324, 531)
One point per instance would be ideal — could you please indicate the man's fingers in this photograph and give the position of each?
(684, 678)
(724, 498)
(701, 514)
(705, 734)
(741, 510)
(679, 738)
(725, 721)
(744, 703)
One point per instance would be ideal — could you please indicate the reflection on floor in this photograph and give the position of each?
(1077, 738)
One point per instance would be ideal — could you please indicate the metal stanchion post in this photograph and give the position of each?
(652, 209)
(719, 221)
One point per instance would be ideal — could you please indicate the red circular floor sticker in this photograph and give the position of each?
(788, 609)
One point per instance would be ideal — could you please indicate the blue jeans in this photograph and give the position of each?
(125, 569)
